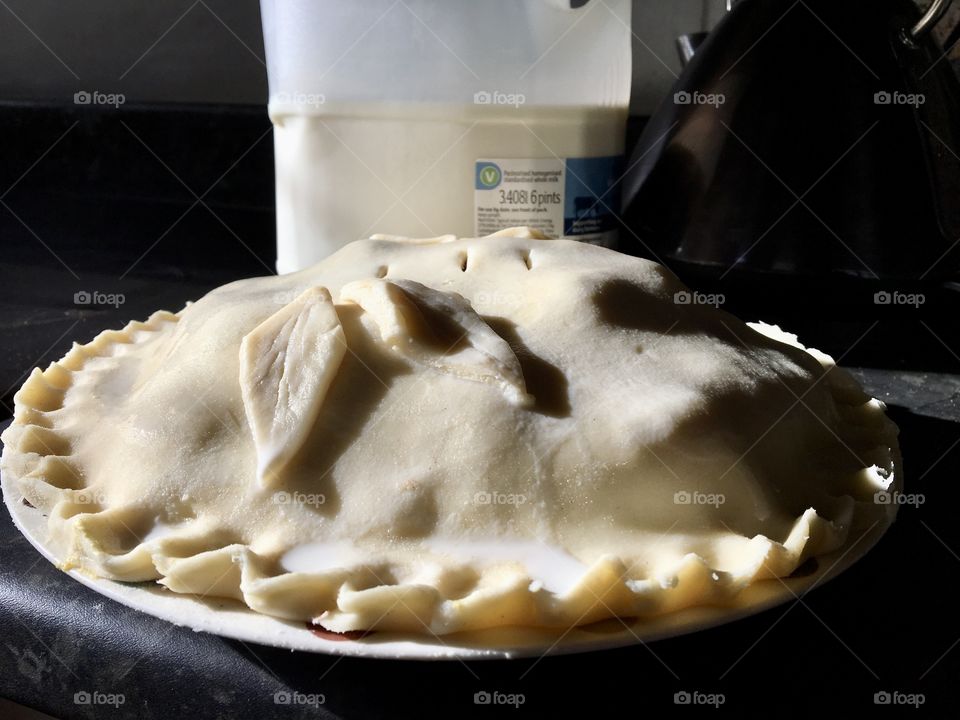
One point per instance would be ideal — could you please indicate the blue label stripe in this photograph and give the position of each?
(591, 202)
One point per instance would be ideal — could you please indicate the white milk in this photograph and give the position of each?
(549, 567)
(345, 172)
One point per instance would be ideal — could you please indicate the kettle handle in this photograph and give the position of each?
(925, 24)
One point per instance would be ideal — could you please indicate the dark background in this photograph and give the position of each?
(161, 202)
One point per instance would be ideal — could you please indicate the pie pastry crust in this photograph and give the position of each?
(441, 435)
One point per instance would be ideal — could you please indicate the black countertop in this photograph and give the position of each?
(161, 205)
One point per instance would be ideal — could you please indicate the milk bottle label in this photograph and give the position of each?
(572, 197)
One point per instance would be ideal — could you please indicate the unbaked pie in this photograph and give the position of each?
(441, 435)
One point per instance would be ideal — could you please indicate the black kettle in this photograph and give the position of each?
(805, 137)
